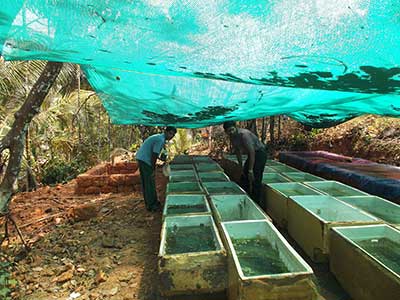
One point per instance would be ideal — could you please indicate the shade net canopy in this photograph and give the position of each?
(194, 63)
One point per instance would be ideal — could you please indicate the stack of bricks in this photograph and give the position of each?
(121, 177)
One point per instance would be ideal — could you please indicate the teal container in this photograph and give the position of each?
(235, 208)
(262, 264)
(274, 178)
(191, 172)
(191, 259)
(301, 176)
(208, 167)
(178, 205)
(182, 159)
(366, 261)
(269, 169)
(184, 188)
(182, 176)
(335, 189)
(181, 167)
(203, 159)
(225, 187)
(273, 162)
(376, 206)
(277, 196)
(213, 177)
(311, 217)
(284, 169)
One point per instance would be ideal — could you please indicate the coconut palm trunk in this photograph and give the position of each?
(14, 140)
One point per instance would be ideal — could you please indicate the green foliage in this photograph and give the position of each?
(181, 143)
(60, 171)
(72, 131)
(299, 142)
(315, 131)
(5, 281)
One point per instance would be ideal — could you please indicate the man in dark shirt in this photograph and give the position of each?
(244, 141)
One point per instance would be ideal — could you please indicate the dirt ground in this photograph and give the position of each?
(94, 247)
(98, 247)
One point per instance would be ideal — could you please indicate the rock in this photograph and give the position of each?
(64, 276)
(110, 292)
(100, 277)
(108, 242)
(94, 296)
(37, 269)
(73, 296)
(47, 272)
(125, 277)
(85, 212)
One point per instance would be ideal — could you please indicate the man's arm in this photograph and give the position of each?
(248, 145)
(157, 147)
(154, 157)
(239, 156)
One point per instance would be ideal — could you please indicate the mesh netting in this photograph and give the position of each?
(195, 63)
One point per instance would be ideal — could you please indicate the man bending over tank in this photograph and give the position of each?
(245, 142)
(147, 156)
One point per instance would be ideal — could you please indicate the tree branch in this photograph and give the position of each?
(80, 107)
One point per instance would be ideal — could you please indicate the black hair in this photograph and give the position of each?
(171, 128)
(229, 124)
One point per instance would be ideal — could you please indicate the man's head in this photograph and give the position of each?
(230, 127)
(169, 132)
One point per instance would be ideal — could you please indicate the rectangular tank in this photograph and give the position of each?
(202, 159)
(273, 162)
(284, 169)
(192, 259)
(235, 208)
(310, 219)
(376, 206)
(366, 261)
(213, 177)
(181, 167)
(185, 205)
(222, 187)
(183, 172)
(334, 188)
(180, 176)
(208, 167)
(262, 264)
(301, 176)
(182, 159)
(274, 178)
(269, 169)
(276, 199)
(184, 188)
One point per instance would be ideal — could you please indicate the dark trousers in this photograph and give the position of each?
(258, 170)
(147, 177)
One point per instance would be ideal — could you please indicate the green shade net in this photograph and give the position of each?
(196, 63)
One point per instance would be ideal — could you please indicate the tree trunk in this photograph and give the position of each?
(279, 128)
(252, 126)
(31, 183)
(15, 138)
(210, 138)
(263, 130)
(109, 138)
(271, 129)
(78, 78)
